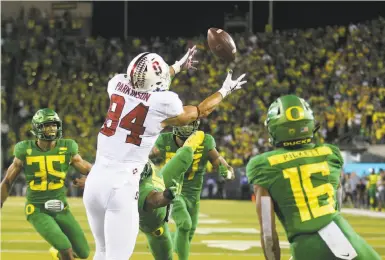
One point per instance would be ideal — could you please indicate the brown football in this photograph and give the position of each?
(221, 44)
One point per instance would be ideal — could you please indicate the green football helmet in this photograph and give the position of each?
(185, 131)
(147, 170)
(290, 122)
(42, 117)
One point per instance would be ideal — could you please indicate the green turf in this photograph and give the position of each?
(227, 230)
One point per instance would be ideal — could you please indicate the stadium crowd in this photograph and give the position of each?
(340, 70)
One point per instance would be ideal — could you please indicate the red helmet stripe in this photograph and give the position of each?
(134, 67)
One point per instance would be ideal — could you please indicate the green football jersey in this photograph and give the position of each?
(302, 183)
(45, 171)
(149, 221)
(193, 178)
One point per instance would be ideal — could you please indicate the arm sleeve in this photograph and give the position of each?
(20, 151)
(73, 148)
(210, 142)
(177, 166)
(174, 105)
(160, 144)
(257, 171)
(337, 158)
(144, 189)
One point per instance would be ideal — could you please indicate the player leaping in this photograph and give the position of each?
(298, 181)
(140, 107)
(46, 162)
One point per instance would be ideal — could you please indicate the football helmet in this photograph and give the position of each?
(185, 131)
(290, 122)
(42, 117)
(147, 170)
(149, 72)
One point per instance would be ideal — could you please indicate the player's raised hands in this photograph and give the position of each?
(187, 61)
(230, 85)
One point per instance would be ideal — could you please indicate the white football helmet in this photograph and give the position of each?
(149, 72)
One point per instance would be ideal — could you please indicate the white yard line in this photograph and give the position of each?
(363, 212)
(138, 253)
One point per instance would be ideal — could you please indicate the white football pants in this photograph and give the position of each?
(111, 202)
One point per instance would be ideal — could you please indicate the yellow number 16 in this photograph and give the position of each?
(312, 193)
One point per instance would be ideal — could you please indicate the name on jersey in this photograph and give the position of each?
(125, 89)
(290, 156)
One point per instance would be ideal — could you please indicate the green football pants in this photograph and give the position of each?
(314, 245)
(160, 243)
(185, 213)
(60, 230)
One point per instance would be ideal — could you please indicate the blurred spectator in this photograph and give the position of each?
(362, 201)
(381, 190)
(338, 69)
(211, 183)
(245, 187)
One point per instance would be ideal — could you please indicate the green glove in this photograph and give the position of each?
(223, 170)
(172, 191)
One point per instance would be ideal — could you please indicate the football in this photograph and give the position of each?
(221, 44)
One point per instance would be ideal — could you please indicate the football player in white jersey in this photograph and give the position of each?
(140, 107)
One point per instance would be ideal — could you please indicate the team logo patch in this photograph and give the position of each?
(29, 209)
(158, 232)
(29, 151)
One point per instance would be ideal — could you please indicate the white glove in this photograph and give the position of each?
(230, 85)
(186, 62)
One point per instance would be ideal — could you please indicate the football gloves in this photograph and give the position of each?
(187, 62)
(230, 85)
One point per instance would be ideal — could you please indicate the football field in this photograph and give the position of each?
(226, 230)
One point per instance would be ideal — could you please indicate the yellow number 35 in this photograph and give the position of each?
(45, 168)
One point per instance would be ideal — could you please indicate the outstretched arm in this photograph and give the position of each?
(80, 164)
(266, 216)
(12, 172)
(207, 106)
(219, 163)
(158, 199)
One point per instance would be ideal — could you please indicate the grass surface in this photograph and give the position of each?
(227, 230)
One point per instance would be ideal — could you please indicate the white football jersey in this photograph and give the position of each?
(133, 121)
